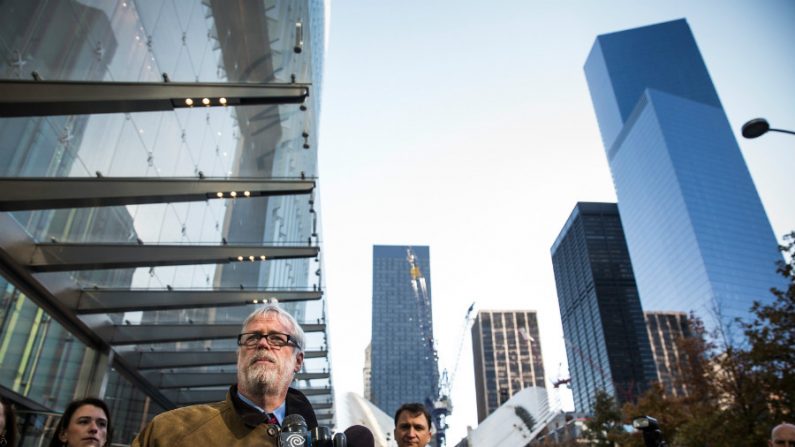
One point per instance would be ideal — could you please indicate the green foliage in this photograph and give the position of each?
(771, 337)
(605, 426)
(735, 394)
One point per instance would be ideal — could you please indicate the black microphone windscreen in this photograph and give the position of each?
(294, 423)
(293, 432)
(339, 440)
(359, 436)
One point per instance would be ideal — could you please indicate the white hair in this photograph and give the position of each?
(297, 331)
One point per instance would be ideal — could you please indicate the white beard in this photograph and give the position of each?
(263, 379)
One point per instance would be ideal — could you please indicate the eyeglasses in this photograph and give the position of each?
(784, 443)
(275, 339)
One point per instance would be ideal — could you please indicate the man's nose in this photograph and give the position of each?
(263, 342)
(93, 428)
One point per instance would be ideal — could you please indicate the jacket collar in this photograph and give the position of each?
(297, 403)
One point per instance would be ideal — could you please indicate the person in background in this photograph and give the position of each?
(8, 425)
(412, 425)
(782, 435)
(85, 422)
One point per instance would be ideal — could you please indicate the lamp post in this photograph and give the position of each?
(758, 127)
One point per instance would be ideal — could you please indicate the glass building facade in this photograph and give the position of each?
(697, 233)
(403, 360)
(506, 349)
(156, 331)
(606, 343)
(665, 330)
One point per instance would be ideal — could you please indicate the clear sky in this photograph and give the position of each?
(467, 126)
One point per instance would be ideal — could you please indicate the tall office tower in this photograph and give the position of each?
(162, 210)
(506, 349)
(606, 342)
(665, 330)
(403, 357)
(696, 230)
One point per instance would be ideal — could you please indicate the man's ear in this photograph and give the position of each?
(299, 360)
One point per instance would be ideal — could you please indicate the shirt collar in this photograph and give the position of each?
(279, 412)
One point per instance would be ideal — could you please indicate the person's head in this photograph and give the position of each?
(270, 352)
(85, 422)
(412, 425)
(782, 435)
(8, 424)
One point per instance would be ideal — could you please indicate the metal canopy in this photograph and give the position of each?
(185, 359)
(22, 259)
(22, 194)
(93, 301)
(14, 245)
(189, 396)
(45, 98)
(325, 391)
(59, 257)
(165, 333)
(165, 380)
(326, 415)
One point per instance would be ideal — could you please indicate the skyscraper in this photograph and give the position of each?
(171, 221)
(606, 342)
(697, 233)
(403, 361)
(665, 330)
(506, 350)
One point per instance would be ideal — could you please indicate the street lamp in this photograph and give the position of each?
(758, 127)
(652, 436)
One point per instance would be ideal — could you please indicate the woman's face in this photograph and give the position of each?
(87, 427)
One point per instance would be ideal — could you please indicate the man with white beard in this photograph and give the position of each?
(270, 352)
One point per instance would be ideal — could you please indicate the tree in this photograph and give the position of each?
(605, 426)
(685, 420)
(735, 393)
(771, 337)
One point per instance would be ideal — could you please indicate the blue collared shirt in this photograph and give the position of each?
(279, 412)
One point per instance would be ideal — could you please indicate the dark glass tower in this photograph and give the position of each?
(695, 227)
(606, 342)
(404, 365)
(506, 350)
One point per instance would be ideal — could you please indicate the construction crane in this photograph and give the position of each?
(439, 401)
(561, 380)
(468, 319)
(439, 404)
(442, 400)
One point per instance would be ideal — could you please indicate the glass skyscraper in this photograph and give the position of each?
(697, 233)
(403, 360)
(665, 330)
(606, 342)
(145, 237)
(506, 349)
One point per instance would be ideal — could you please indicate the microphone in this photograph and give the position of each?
(294, 432)
(340, 440)
(359, 436)
(321, 437)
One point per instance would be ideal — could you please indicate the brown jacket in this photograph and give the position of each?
(227, 423)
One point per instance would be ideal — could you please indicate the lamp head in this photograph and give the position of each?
(645, 423)
(755, 128)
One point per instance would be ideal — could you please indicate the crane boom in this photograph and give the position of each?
(440, 402)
